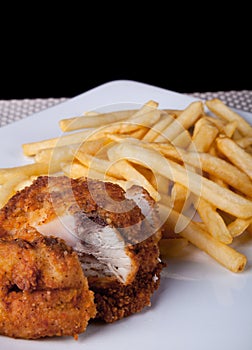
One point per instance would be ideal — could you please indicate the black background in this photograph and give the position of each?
(45, 58)
(67, 77)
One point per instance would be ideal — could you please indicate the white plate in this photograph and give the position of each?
(199, 304)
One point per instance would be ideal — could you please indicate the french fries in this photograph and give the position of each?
(194, 233)
(183, 122)
(220, 197)
(212, 165)
(122, 169)
(193, 164)
(66, 153)
(227, 114)
(199, 140)
(237, 155)
(162, 124)
(76, 170)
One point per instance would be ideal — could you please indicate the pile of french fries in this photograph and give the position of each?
(196, 163)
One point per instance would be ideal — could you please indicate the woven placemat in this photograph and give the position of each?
(235, 99)
(13, 110)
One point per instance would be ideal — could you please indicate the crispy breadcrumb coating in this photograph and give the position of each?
(43, 291)
(115, 300)
(109, 206)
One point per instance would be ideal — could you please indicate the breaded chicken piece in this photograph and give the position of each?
(115, 234)
(43, 291)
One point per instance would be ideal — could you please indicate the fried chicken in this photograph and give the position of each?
(43, 291)
(115, 234)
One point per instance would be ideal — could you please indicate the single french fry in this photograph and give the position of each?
(30, 149)
(199, 140)
(230, 128)
(93, 121)
(220, 197)
(156, 130)
(214, 223)
(235, 154)
(238, 226)
(28, 170)
(224, 112)
(183, 122)
(194, 233)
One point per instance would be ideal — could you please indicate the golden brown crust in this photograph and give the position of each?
(117, 301)
(105, 202)
(43, 291)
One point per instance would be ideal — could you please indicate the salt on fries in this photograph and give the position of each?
(196, 160)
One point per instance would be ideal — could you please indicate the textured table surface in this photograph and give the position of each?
(12, 110)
